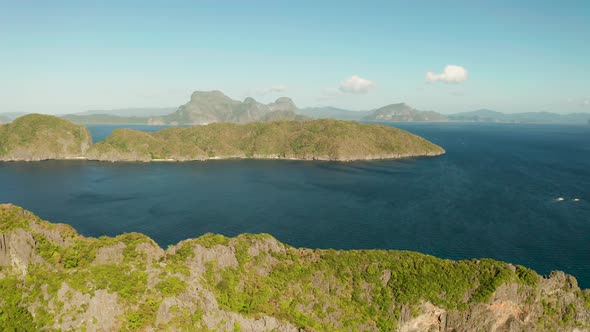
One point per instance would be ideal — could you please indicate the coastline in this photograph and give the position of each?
(255, 157)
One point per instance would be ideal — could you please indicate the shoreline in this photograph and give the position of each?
(266, 157)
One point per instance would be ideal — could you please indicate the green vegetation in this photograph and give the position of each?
(171, 286)
(57, 276)
(39, 137)
(13, 315)
(352, 284)
(318, 139)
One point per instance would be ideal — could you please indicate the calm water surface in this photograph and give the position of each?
(492, 195)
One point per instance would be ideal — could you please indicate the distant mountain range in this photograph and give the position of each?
(105, 119)
(485, 115)
(12, 115)
(404, 113)
(329, 112)
(131, 112)
(400, 112)
(137, 115)
(213, 106)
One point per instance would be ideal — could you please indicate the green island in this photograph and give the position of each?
(40, 137)
(53, 279)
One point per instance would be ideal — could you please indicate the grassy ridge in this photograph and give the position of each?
(252, 277)
(318, 139)
(38, 137)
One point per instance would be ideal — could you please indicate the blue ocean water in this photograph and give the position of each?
(492, 195)
(100, 132)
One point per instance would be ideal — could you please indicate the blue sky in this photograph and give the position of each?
(60, 56)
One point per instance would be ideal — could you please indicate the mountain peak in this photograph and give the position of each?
(283, 104)
(402, 112)
(284, 100)
(400, 105)
(204, 95)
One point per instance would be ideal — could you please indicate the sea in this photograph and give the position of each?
(519, 193)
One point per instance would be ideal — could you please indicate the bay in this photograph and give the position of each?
(493, 194)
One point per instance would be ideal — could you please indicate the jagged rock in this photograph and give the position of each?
(207, 107)
(60, 280)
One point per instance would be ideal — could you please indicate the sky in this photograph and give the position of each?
(449, 56)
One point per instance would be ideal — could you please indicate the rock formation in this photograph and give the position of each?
(53, 278)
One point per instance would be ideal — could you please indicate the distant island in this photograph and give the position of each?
(403, 113)
(400, 112)
(205, 107)
(214, 106)
(40, 137)
(485, 115)
(53, 278)
(106, 119)
(131, 112)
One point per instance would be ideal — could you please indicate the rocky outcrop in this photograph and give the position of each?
(61, 280)
(207, 107)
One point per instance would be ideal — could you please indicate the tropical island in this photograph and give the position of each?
(52, 278)
(41, 137)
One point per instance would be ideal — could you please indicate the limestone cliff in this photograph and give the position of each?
(206, 107)
(51, 278)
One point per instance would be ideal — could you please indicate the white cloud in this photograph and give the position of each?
(451, 74)
(586, 102)
(356, 85)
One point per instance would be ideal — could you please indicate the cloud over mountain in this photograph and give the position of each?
(450, 74)
(356, 85)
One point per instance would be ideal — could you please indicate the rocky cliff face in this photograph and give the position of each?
(39, 137)
(213, 106)
(53, 278)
